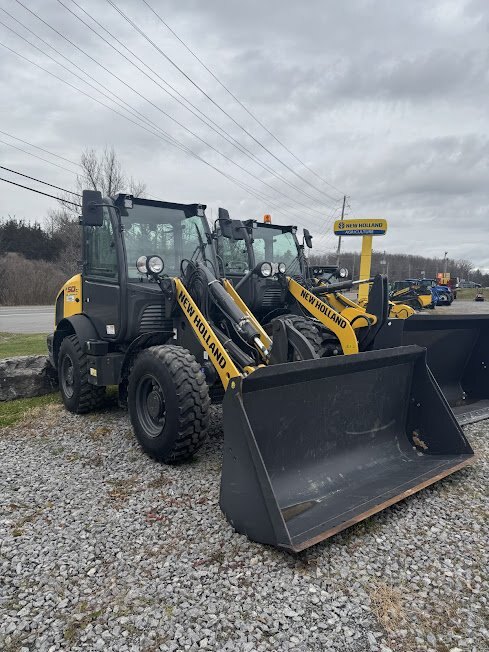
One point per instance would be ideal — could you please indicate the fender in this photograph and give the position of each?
(79, 325)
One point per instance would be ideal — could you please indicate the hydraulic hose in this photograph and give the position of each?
(336, 287)
(242, 323)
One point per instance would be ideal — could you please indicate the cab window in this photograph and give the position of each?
(100, 250)
(233, 255)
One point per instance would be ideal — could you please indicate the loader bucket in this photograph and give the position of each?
(458, 357)
(312, 447)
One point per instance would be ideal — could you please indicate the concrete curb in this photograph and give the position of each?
(26, 376)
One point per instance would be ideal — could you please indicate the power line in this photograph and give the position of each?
(39, 181)
(253, 191)
(256, 159)
(132, 110)
(214, 76)
(200, 115)
(37, 146)
(109, 96)
(39, 192)
(35, 155)
(201, 90)
(166, 138)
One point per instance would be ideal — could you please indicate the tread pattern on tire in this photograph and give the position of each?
(321, 339)
(193, 399)
(92, 397)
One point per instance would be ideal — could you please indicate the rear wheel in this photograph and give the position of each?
(78, 394)
(168, 403)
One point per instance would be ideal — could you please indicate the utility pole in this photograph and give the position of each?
(339, 237)
(445, 262)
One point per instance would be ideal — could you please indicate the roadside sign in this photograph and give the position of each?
(360, 227)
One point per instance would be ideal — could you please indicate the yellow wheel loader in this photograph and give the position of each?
(457, 346)
(311, 446)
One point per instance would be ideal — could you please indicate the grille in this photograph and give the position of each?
(153, 319)
(272, 297)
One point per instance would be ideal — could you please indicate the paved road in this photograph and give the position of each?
(460, 307)
(26, 319)
(39, 319)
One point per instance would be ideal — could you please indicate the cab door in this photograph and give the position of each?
(102, 257)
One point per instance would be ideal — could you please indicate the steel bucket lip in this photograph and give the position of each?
(470, 459)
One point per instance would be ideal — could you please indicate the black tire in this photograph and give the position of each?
(168, 401)
(324, 342)
(78, 395)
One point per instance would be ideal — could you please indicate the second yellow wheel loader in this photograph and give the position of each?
(457, 346)
(310, 446)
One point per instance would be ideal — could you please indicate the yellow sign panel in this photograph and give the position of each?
(360, 227)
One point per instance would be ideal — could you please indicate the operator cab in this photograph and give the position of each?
(253, 254)
(122, 301)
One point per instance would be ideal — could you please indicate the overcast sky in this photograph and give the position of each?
(386, 101)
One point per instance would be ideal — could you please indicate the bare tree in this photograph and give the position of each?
(104, 172)
(100, 171)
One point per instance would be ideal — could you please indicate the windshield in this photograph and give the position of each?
(275, 246)
(233, 255)
(162, 231)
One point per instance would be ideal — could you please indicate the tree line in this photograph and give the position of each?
(403, 266)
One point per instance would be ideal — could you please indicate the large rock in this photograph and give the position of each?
(27, 375)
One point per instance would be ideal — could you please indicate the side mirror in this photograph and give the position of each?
(223, 214)
(233, 229)
(92, 208)
(308, 239)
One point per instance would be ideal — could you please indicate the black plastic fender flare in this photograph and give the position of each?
(79, 325)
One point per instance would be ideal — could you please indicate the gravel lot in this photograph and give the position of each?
(104, 549)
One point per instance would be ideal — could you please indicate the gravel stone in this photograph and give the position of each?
(102, 548)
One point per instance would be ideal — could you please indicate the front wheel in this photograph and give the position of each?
(168, 401)
(79, 396)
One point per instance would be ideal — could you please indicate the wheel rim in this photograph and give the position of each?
(68, 376)
(150, 405)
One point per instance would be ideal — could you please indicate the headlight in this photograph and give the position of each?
(266, 269)
(282, 268)
(343, 272)
(155, 264)
(141, 264)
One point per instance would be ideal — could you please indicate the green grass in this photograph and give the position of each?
(468, 294)
(12, 344)
(13, 411)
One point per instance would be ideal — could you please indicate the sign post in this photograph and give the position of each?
(367, 229)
